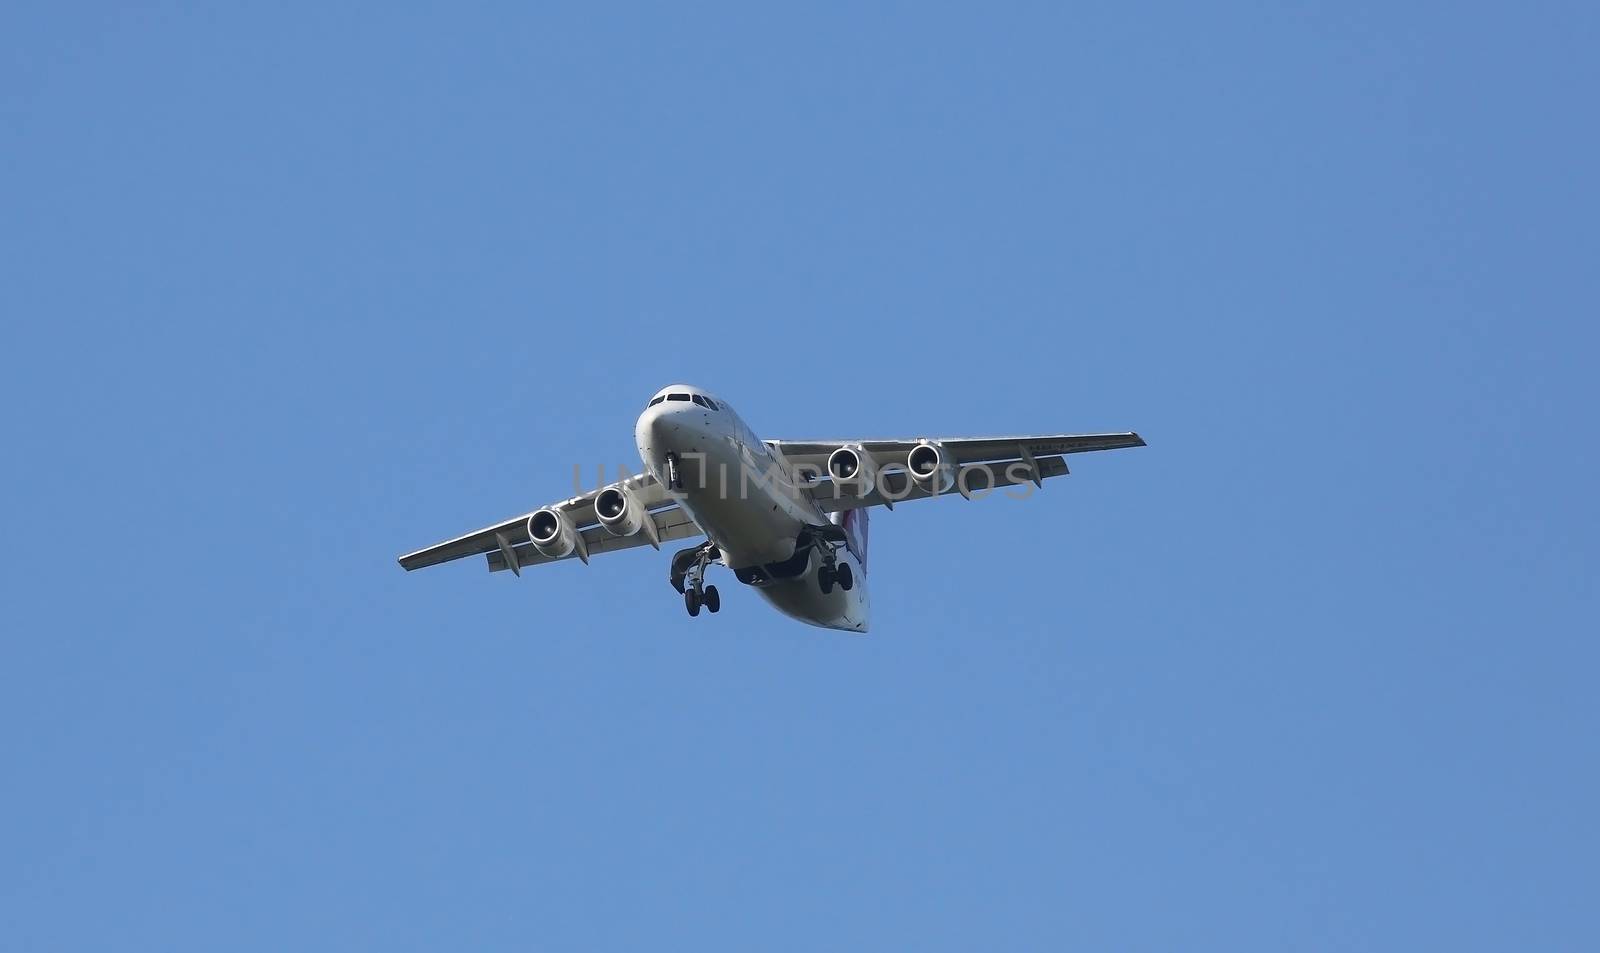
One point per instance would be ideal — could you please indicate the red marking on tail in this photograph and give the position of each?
(855, 533)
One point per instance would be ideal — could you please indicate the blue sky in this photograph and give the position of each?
(289, 290)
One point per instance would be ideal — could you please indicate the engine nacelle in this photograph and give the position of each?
(619, 510)
(552, 533)
(853, 470)
(931, 468)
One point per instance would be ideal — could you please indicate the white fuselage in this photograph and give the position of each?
(746, 503)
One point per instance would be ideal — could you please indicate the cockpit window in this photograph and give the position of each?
(698, 399)
(712, 404)
(677, 397)
(656, 400)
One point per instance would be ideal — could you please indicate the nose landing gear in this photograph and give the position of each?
(689, 574)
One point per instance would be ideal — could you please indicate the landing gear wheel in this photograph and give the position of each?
(847, 578)
(691, 601)
(712, 600)
(825, 579)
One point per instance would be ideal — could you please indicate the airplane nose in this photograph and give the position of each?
(657, 425)
(669, 426)
(646, 431)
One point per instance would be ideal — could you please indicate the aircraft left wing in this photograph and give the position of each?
(973, 464)
(508, 539)
(963, 449)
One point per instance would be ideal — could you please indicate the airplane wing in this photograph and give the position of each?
(964, 449)
(979, 464)
(508, 540)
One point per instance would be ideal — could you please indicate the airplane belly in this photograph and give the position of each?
(747, 533)
(751, 521)
(729, 486)
(802, 599)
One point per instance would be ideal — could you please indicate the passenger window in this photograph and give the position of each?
(677, 397)
(698, 399)
(656, 400)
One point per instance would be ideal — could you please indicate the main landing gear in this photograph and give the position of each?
(689, 574)
(693, 599)
(832, 572)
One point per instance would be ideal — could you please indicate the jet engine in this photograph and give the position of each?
(853, 470)
(619, 510)
(552, 533)
(931, 468)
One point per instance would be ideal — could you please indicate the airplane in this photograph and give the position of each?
(789, 517)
